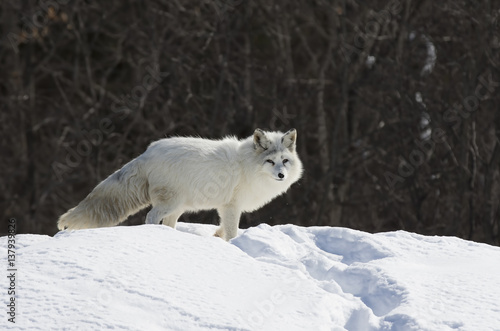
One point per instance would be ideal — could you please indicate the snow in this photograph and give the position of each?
(370, 61)
(430, 61)
(285, 277)
(425, 119)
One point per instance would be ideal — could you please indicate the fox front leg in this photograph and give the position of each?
(229, 222)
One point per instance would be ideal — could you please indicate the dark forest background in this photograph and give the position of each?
(396, 103)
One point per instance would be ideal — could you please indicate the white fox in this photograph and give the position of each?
(177, 175)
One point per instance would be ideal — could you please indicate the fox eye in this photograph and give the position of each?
(285, 161)
(270, 161)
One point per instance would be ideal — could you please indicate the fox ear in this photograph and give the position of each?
(260, 141)
(289, 138)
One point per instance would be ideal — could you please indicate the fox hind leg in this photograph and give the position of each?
(165, 207)
(164, 213)
(171, 220)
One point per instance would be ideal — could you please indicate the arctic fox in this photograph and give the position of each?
(177, 175)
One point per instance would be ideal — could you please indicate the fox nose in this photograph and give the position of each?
(280, 175)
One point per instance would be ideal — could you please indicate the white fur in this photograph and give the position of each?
(178, 175)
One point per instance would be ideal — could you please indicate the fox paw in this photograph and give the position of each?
(219, 233)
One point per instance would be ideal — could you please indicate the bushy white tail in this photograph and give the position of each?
(123, 193)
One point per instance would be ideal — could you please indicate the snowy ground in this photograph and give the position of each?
(286, 277)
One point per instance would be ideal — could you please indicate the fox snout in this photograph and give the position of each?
(280, 173)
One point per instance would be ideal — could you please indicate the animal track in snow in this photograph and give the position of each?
(338, 260)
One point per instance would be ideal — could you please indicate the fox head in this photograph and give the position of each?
(276, 151)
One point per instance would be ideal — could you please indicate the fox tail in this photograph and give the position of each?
(123, 193)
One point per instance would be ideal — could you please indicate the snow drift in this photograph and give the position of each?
(152, 277)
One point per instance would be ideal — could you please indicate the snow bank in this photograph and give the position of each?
(285, 277)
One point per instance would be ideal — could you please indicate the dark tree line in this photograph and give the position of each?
(395, 102)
